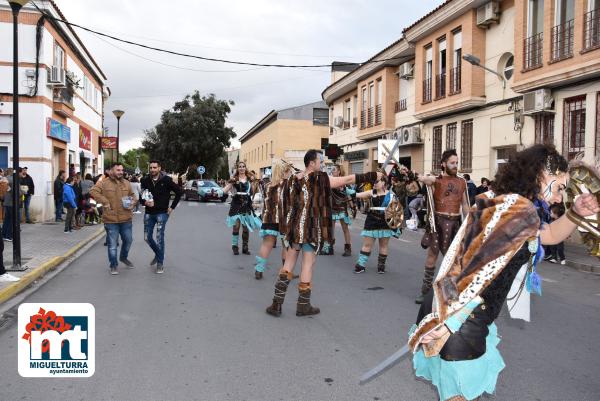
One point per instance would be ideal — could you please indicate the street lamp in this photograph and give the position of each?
(118, 114)
(16, 6)
(471, 59)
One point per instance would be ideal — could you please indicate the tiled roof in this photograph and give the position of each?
(444, 4)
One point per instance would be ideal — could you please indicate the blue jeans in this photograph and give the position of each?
(113, 230)
(26, 205)
(158, 246)
(58, 205)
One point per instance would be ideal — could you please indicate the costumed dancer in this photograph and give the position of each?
(241, 213)
(307, 226)
(375, 226)
(341, 197)
(272, 215)
(450, 203)
(455, 339)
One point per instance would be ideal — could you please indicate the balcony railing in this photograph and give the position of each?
(440, 86)
(455, 80)
(370, 115)
(427, 90)
(363, 119)
(354, 121)
(64, 95)
(400, 105)
(346, 125)
(591, 30)
(378, 114)
(533, 51)
(562, 41)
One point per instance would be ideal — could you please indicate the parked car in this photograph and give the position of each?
(203, 191)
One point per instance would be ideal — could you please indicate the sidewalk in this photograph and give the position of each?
(43, 247)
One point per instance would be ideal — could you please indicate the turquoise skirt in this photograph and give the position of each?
(341, 216)
(248, 220)
(264, 233)
(470, 378)
(385, 233)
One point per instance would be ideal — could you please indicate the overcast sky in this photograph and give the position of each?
(263, 31)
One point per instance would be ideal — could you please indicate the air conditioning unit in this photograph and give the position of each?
(538, 101)
(488, 14)
(338, 121)
(56, 76)
(410, 136)
(406, 71)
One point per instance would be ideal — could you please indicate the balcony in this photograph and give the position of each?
(440, 86)
(591, 30)
(562, 41)
(400, 105)
(63, 102)
(533, 52)
(346, 125)
(378, 114)
(455, 80)
(363, 119)
(427, 90)
(370, 115)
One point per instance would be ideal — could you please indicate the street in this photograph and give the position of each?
(200, 331)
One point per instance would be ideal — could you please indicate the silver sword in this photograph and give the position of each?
(385, 365)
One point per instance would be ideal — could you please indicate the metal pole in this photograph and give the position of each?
(16, 192)
(118, 139)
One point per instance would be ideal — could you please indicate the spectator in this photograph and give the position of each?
(484, 187)
(70, 203)
(7, 225)
(78, 200)
(59, 182)
(26, 180)
(86, 185)
(137, 191)
(557, 252)
(471, 189)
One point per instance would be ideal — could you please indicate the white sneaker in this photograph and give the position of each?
(563, 262)
(6, 277)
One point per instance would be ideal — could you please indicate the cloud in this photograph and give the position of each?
(263, 31)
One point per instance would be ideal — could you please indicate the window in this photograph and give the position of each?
(4, 157)
(440, 82)
(544, 128)
(378, 107)
(466, 146)
(533, 44)
(503, 155)
(59, 56)
(509, 67)
(574, 126)
(320, 117)
(6, 124)
(455, 78)
(401, 103)
(562, 32)
(428, 74)
(591, 30)
(451, 136)
(535, 17)
(347, 114)
(354, 109)
(371, 104)
(436, 155)
(363, 110)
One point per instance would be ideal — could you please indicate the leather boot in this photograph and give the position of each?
(281, 286)
(347, 250)
(303, 307)
(427, 283)
(235, 249)
(381, 263)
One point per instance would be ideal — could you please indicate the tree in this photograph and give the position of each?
(129, 159)
(192, 132)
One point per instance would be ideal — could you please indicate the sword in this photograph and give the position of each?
(385, 365)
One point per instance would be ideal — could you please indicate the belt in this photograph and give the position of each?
(449, 215)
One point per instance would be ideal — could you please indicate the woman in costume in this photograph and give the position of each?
(340, 198)
(272, 215)
(455, 339)
(241, 213)
(375, 226)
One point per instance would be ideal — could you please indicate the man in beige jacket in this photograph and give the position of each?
(116, 196)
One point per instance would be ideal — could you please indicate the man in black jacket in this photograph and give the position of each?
(59, 182)
(27, 180)
(158, 210)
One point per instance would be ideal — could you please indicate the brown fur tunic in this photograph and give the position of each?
(272, 212)
(307, 210)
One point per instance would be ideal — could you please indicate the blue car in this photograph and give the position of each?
(203, 191)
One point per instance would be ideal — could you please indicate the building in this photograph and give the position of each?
(541, 85)
(61, 93)
(284, 134)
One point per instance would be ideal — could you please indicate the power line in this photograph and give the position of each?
(158, 49)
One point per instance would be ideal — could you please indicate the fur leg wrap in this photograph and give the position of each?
(303, 307)
(427, 279)
(261, 263)
(362, 258)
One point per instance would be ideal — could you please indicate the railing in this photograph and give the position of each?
(363, 119)
(64, 95)
(346, 125)
(370, 117)
(455, 80)
(378, 114)
(591, 30)
(440, 86)
(354, 121)
(400, 105)
(427, 90)
(533, 51)
(562, 41)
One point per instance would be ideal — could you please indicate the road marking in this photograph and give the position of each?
(549, 280)
(404, 240)
(193, 204)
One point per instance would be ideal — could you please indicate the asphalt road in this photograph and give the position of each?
(199, 331)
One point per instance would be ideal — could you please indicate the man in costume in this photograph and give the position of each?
(454, 341)
(307, 226)
(449, 198)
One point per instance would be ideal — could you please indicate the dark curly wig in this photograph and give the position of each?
(521, 175)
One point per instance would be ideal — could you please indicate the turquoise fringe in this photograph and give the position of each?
(264, 233)
(385, 233)
(341, 216)
(248, 220)
(470, 378)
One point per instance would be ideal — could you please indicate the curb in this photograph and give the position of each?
(27, 279)
(583, 267)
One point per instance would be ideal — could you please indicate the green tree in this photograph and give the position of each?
(193, 132)
(129, 159)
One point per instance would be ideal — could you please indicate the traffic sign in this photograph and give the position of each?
(201, 170)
